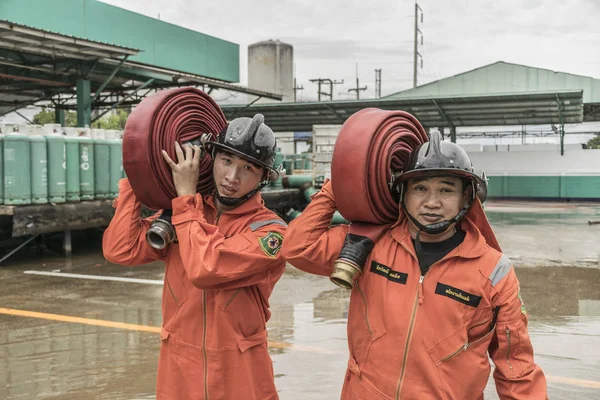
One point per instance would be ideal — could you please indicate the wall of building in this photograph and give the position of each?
(514, 171)
(541, 174)
(285, 142)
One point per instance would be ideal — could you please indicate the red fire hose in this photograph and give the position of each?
(181, 114)
(372, 145)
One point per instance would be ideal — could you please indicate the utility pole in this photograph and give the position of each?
(319, 87)
(296, 88)
(378, 83)
(331, 83)
(416, 51)
(320, 81)
(357, 89)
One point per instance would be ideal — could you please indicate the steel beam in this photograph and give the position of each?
(145, 84)
(107, 80)
(84, 110)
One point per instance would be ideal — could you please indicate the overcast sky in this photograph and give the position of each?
(332, 37)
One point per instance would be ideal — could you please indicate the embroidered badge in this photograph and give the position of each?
(457, 294)
(523, 309)
(271, 243)
(387, 272)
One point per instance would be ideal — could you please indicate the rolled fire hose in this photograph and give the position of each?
(183, 115)
(369, 153)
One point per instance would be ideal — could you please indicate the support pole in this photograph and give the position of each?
(84, 107)
(59, 116)
(562, 125)
(67, 246)
(562, 139)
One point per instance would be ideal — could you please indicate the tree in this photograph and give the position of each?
(115, 121)
(594, 143)
(48, 117)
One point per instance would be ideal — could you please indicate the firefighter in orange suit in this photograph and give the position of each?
(436, 295)
(220, 271)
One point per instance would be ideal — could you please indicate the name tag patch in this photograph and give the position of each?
(387, 272)
(457, 294)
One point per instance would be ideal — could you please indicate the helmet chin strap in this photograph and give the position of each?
(236, 201)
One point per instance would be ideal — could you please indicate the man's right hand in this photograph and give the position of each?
(186, 171)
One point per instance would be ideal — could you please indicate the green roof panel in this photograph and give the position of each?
(506, 78)
(162, 44)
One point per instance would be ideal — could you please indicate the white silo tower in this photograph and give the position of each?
(271, 68)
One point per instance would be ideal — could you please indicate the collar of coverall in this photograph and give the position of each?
(475, 240)
(254, 203)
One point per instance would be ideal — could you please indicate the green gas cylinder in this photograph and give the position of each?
(278, 161)
(116, 161)
(3, 130)
(298, 162)
(72, 163)
(17, 166)
(124, 175)
(39, 165)
(57, 163)
(101, 164)
(86, 164)
(288, 165)
(307, 161)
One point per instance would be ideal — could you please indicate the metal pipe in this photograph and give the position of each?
(19, 247)
(296, 181)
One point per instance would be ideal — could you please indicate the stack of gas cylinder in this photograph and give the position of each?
(52, 164)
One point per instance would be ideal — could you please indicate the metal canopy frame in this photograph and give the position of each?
(41, 67)
(558, 107)
(38, 41)
(591, 112)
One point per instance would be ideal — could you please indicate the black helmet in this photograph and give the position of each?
(250, 139)
(435, 158)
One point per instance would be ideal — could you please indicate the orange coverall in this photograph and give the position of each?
(218, 279)
(415, 337)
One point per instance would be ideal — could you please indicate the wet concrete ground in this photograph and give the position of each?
(72, 348)
(547, 234)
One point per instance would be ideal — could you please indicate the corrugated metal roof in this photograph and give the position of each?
(32, 40)
(37, 65)
(503, 77)
(433, 111)
(162, 44)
